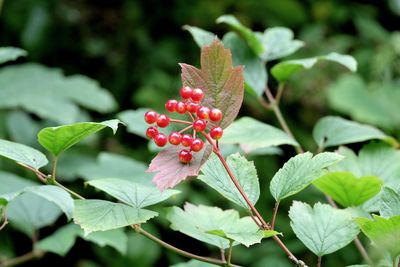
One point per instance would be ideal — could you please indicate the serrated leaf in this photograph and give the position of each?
(243, 237)
(200, 36)
(170, 171)
(384, 233)
(348, 190)
(322, 229)
(284, 70)
(196, 221)
(390, 203)
(22, 154)
(215, 175)
(133, 194)
(255, 74)
(49, 94)
(11, 53)
(333, 131)
(222, 83)
(100, 215)
(278, 42)
(262, 135)
(297, 173)
(116, 166)
(248, 35)
(58, 139)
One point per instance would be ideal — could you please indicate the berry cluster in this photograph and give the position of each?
(201, 118)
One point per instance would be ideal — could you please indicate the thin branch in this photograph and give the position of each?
(186, 128)
(180, 121)
(68, 190)
(21, 259)
(319, 261)
(363, 251)
(181, 252)
(4, 223)
(278, 96)
(222, 254)
(42, 177)
(274, 215)
(54, 169)
(230, 252)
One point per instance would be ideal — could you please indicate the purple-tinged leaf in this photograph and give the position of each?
(170, 171)
(223, 84)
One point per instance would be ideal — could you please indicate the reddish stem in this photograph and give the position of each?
(185, 129)
(180, 121)
(274, 215)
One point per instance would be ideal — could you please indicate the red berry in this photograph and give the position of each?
(150, 116)
(215, 114)
(163, 121)
(197, 94)
(151, 132)
(185, 156)
(192, 107)
(186, 140)
(186, 92)
(170, 105)
(175, 138)
(216, 133)
(160, 139)
(197, 145)
(203, 112)
(180, 107)
(199, 125)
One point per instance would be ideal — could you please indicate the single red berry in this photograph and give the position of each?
(215, 114)
(180, 107)
(199, 125)
(160, 139)
(203, 112)
(150, 116)
(185, 156)
(151, 132)
(187, 140)
(170, 105)
(186, 92)
(175, 138)
(163, 121)
(197, 145)
(216, 133)
(192, 107)
(197, 94)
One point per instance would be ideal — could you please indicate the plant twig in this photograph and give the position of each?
(274, 215)
(54, 169)
(222, 254)
(319, 261)
(230, 252)
(4, 223)
(180, 121)
(68, 190)
(35, 254)
(279, 93)
(181, 252)
(42, 177)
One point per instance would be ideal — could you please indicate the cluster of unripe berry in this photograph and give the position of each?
(201, 117)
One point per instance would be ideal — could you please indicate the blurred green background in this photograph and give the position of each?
(132, 48)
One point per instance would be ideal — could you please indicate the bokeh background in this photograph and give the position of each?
(132, 48)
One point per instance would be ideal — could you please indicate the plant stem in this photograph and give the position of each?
(4, 223)
(319, 261)
(21, 259)
(274, 215)
(279, 116)
(68, 190)
(362, 251)
(42, 177)
(222, 254)
(181, 252)
(180, 121)
(54, 169)
(278, 95)
(230, 252)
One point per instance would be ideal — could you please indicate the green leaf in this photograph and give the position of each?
(29, 213)
(383, 232)
(58, 139)
(390, 203)
(11, 53)
(262, 135)
(116, 166)
(215, 175)
(376, 103)
(61, 241)
(49, 94)
(193, 263)
(278, 42)
(284, 70)
(134, 120)
(13, 183)
(223, 84)
(248, 35)
(322, 229)
(348, 190)
(22, 154)
(100, 215)
(114, 238)
(297, 173)
(333, 131)
(133, 194)
(197, 221)
(200, 36)
(22, 128)
(255, 75)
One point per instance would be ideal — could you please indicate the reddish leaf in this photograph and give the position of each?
(170, 171)
(222, 83)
